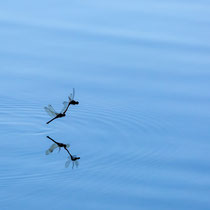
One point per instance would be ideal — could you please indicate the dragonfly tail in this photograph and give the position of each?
(51, 120)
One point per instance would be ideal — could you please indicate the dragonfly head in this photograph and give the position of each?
(73, 102)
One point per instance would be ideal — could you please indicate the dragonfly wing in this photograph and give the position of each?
(73, 93)
(52, 114)
(77, 163)
(52, 109)
(70, 97)
(68, 162)
(51, 149)
(65, 104)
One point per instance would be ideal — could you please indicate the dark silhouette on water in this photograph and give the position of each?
(51, 111)
(59, 145)
(65, 146)
(57, 116)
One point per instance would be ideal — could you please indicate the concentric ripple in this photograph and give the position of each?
(89, 127)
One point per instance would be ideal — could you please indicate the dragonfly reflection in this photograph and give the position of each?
(71, 158)
(51, 111)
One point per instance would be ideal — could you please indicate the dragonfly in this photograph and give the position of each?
(52, 113)
(56, 145)
(59, 145)
(74, 159)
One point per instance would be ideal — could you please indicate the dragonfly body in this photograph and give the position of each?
(58, 143)
(50, 110)
(71, 157)
(57, 116)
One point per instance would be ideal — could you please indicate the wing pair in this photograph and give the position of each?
(71, 97)
(51, 111)
(73, 159)
(53, 147)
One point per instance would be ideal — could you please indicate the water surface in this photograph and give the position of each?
(141, 74)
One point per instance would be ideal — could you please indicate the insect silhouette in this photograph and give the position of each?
(51, 111)
(56, 145)
(59, 145)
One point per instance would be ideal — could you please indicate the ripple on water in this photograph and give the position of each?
(120, 128)
(122, 119)
(118, 118)
(122, 131)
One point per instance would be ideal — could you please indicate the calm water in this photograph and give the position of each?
(141, 70)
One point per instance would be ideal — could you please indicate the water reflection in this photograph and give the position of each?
(71, 158)
(52, 113)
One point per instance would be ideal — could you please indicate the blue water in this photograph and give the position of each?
(141, 71)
